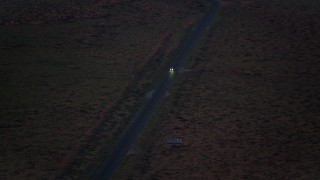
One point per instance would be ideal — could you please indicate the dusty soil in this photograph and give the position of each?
(250, 110)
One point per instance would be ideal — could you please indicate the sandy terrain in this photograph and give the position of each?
(250, 110)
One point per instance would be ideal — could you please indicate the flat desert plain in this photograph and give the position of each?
(247, 105)
(74, 73)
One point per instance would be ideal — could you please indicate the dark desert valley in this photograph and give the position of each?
(159, 89)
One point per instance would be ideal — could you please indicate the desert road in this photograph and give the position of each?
(111, 164)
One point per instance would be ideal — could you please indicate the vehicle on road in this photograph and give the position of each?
(174, 141)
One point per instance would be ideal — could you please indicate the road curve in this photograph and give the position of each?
(112, 163)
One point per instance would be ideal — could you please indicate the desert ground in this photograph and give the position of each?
(73, 74)
(247, 105)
